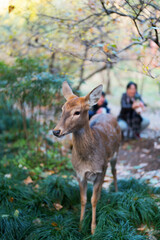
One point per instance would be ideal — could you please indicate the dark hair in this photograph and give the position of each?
(131, 83)
(103, 94)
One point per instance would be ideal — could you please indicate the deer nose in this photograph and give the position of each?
(56, 132)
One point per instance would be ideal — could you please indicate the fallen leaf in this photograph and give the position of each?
(11, 199)
(136, 198)
(47, 173)
(105, 48)
(36, 186)
(51, 171)
(54, 224)
(57, 206)
(28, 180)
(142, 228)
(64, 176)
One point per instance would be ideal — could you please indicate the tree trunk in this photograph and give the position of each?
(24, 120)
(51, 65)
(108, 85)
(82, 68)
(142, 86)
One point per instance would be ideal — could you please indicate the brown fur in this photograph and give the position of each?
(94, 144)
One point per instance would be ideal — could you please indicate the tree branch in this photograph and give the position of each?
(132, 44)
(156, 33)
(109, 12)
(92, 74)
(138, 29)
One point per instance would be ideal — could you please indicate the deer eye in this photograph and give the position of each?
(77, 113)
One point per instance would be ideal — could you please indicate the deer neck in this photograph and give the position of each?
(83, 140)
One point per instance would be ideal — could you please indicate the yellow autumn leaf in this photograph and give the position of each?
(11, 8)
(105, 48)
(91, 30)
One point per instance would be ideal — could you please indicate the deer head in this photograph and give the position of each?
(75, 110)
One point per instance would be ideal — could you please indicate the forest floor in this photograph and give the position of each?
(139, 159)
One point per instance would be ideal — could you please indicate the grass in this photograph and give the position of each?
(49, 207)
(29, 212)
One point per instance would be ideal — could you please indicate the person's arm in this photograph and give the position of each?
(138, 96)
(142, 101)
(124, 103)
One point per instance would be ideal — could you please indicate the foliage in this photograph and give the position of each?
(84, 31)
(28, 86)
(28, 81)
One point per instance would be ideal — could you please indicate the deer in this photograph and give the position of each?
(95, 143)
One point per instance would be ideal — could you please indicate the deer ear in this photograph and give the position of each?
(66, 90)
(94, 95)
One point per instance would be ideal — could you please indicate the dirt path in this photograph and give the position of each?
(139, 159)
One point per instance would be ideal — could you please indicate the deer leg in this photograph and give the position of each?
(95, 197)
(113, 162)
(83, 195)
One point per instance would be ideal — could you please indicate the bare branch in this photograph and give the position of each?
(138, 29)
(75, 22)
(109, 12)
(56, 18)
(76, 55)
(130, 45)
(92, 74)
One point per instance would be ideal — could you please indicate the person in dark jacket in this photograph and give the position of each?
(100, 107)
(130, 120)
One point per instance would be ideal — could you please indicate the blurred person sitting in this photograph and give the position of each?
(130, 120)
(100, 107)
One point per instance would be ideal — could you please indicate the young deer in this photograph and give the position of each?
(95, 143)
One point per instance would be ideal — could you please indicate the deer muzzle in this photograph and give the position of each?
(56, 133)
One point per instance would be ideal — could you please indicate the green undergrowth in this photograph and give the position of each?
(49, 209)
(37, 152)
(36, 206)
